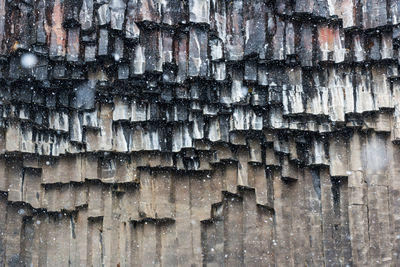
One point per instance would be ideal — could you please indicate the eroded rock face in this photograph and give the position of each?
(199, 133)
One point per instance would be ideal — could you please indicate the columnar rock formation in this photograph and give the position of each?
(199, 133)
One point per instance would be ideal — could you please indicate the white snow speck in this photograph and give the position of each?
(28, 60)
(21, 211)
(116, 57)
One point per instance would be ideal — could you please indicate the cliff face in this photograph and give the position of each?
(199, 133)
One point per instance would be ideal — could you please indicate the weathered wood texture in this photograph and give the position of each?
(199, 133)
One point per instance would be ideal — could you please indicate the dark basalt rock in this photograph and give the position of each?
(190, 133)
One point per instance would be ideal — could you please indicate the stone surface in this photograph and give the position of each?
(199, 133)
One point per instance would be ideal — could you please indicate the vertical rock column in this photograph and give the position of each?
(358, 210)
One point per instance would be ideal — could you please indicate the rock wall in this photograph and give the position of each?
(199, 133)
